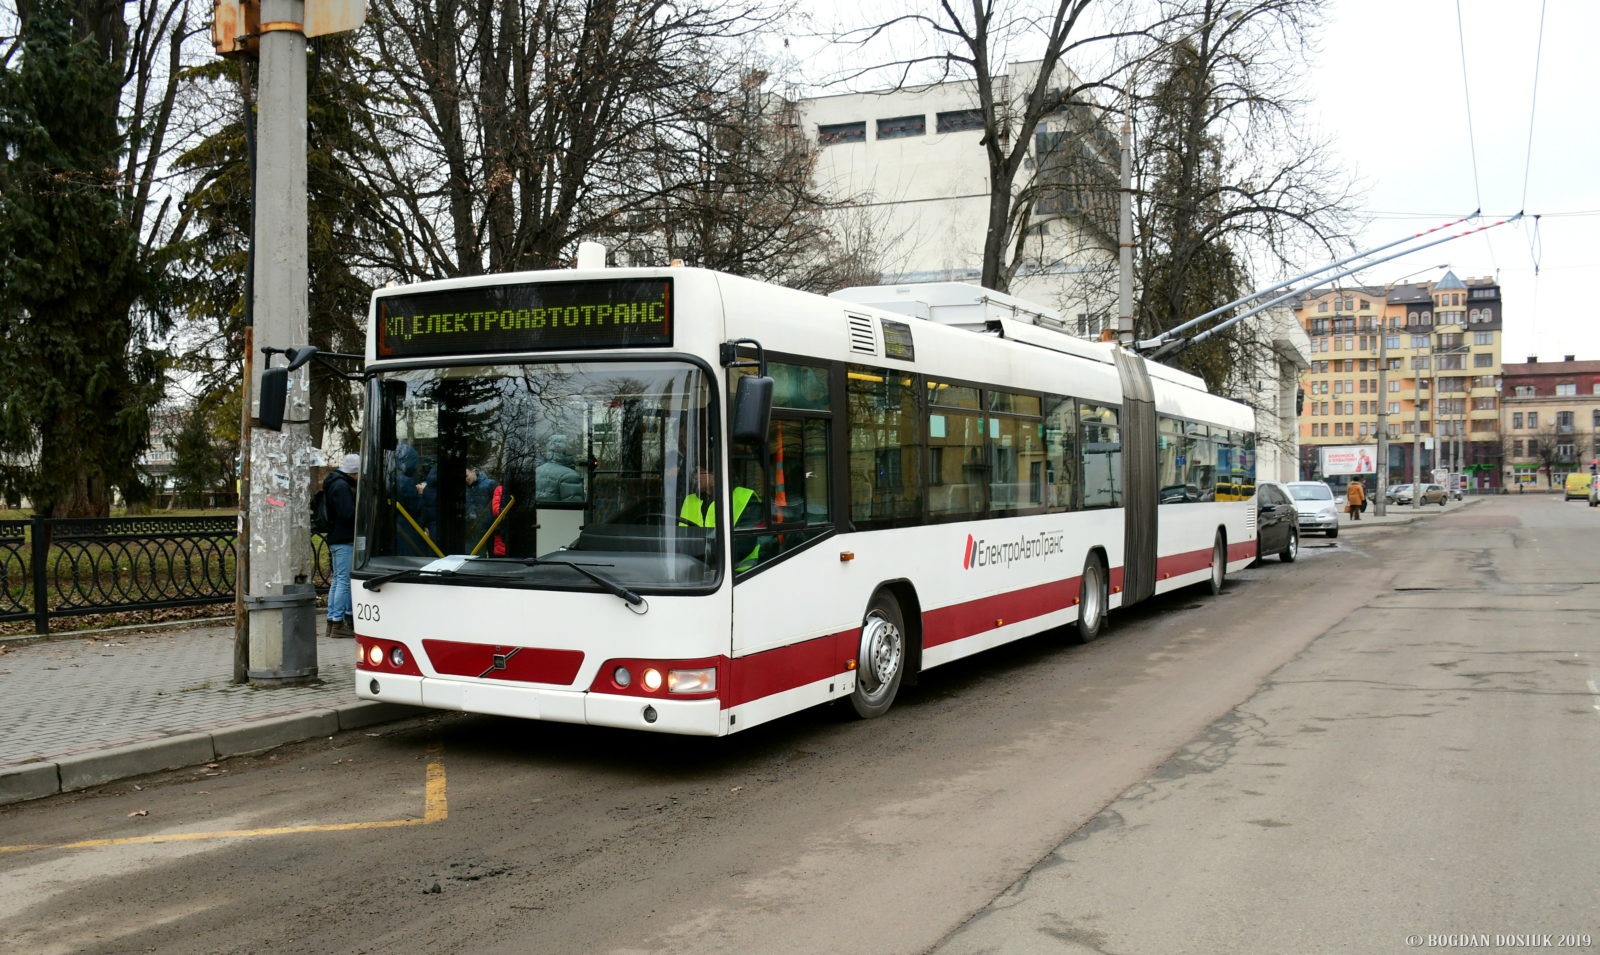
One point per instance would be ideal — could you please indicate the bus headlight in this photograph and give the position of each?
(652, 679)
(622, 676)
(692, 681)
(375, 655)
(397, 656)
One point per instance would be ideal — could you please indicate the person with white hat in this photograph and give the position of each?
(340, 491)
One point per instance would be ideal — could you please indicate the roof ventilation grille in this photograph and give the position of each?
(863, 335)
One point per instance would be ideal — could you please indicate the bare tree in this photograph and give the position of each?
(969, 43)
(739, 197)
(529, 124)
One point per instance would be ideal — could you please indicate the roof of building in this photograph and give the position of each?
(1409, 292)
(1449, 283)
(1550, 368)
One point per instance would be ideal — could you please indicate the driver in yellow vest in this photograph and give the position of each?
(699, 510)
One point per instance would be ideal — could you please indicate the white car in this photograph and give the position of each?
(1315, 506)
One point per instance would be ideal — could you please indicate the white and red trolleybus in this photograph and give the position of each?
(570, 510)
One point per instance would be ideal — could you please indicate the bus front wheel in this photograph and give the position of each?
(881, 662)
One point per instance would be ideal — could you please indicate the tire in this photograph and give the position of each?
(1094, 599)
(881, 662)
(1219, 565)
(1333, 533)
(1290, 550)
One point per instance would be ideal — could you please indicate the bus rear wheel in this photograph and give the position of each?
(1093, 599)
(1219, 565)
(881, 662)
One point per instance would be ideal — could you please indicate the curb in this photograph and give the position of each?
(24, 781)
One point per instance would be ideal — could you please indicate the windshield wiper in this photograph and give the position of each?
(373, 583)
(636, 603)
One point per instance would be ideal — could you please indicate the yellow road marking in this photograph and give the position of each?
(435, 808)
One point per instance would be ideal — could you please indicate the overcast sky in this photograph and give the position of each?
(1389, 86)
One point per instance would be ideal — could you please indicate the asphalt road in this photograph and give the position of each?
(1396, 735)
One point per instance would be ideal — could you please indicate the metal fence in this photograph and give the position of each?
(66, 567)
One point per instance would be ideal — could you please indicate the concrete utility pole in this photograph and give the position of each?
(280, 599)
(1416, 446)
(1381, 485)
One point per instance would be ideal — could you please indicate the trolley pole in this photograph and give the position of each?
(280, 599)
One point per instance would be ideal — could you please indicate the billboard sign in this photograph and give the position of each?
(1350, 459)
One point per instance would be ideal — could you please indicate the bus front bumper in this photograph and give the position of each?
(653, 714)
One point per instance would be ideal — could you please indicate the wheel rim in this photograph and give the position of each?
(1294, 545)
(1217, 566)
(1093, 597)
(882, 650)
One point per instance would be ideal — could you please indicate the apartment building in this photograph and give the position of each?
(1550, 420)
(1421, 360)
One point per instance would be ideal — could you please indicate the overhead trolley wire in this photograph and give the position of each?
(1466, 89)
(1538, 56)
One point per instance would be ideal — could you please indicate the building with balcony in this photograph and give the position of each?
(1550, 417)
(1419, 361)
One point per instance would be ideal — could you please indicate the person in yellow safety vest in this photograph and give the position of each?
(699, 510)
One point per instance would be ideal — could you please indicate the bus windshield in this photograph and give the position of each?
(532, 467)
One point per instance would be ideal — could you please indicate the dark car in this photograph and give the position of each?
(1277, 522)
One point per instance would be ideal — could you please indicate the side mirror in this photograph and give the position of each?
(275, 384)
(274, 397)
(752, 409)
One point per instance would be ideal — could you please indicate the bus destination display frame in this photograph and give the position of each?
(526, 317)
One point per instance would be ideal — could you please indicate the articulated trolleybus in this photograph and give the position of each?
(674, 500)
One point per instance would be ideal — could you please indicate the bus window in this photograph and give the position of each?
(956, 472)
(793, 386)
(885, 443)
(1201, 470)
(1061, 453)
(1101, 454)
(1170, 447)
(796, 499)
(1015, 464)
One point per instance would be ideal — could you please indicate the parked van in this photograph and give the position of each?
(1578, 486)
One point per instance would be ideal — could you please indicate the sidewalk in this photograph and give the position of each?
(104, 705)
(1405, 513)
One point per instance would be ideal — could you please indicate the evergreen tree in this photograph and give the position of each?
(76, 376)
(1189, 264)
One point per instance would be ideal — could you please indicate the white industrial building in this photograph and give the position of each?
(913, 162)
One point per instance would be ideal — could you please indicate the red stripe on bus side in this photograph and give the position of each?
(1180, 564)
(958, 621)
(784, 668)
(773, 671)
(1241, 551)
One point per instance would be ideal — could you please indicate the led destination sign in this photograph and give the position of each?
(542, 316)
